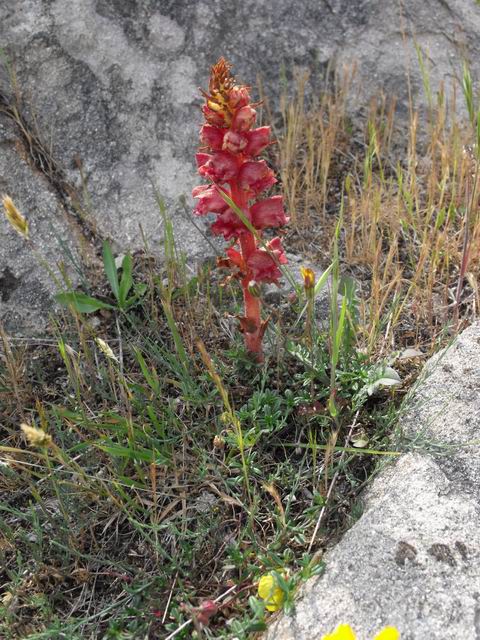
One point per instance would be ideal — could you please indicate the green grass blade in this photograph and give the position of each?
(110, 268)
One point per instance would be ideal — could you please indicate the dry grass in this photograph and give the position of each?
(409, 210)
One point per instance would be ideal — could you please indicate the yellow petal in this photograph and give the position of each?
(343, 632)
(14, 216)
(270, 592)
(389, 633)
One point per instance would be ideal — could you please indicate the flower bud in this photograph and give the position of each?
(244, 118)
(225, 418)
(239, 97)
(308, 276)
(234, 142)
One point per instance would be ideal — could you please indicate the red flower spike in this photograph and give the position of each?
(212, 136)
(258, 139)
(228, 134)
(209, 200)
(269, 213)
(255, 176)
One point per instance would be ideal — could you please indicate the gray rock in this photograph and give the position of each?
(413, 558)
(112, 84)
(26, 286)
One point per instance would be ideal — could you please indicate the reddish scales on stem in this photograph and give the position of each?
(228, 159)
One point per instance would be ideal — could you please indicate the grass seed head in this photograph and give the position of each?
(15, 218)
(36, 437)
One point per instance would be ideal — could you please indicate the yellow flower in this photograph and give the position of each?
(14, 216)
(389, 633)
(343, 632)
(36, 437)
(270, 592)
(308, 276)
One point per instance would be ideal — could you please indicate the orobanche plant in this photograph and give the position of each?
(228, 159)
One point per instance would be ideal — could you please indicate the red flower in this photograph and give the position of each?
(238, 97)
(212, 136)
(263, 264)
(209, 200)
(228, 225)
(202, 158)
(236, 258)
(213, 117)
(244, 118)
(221, 167)
(258, 139)
(234, 142)
(255, 176)
(269, 213)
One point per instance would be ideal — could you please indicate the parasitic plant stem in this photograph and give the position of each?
(228, 159)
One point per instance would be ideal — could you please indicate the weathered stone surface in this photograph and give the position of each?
(25, 284)
(413, 558)
(278, 295)
(113, 83)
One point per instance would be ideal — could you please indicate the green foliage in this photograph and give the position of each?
(83, 303)
(177, 462)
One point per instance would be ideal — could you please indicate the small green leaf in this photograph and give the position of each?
(110, 269)
(126, 282)
(387, 377)
(257, 606)
(140, 289)
(117, 451)
(81, 302)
